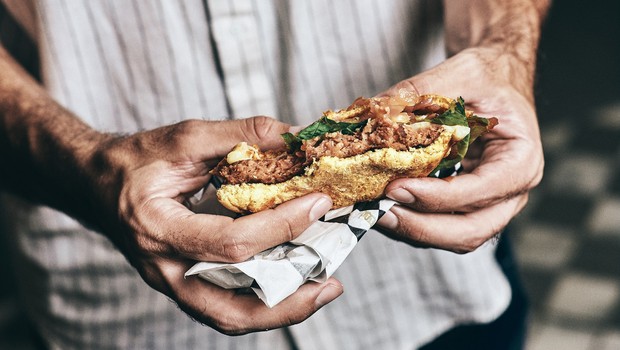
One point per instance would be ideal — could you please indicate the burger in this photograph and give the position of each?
(353, 153)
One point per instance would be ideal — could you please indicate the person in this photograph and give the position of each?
(138, 100)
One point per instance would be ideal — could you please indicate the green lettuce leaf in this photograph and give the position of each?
(292, 142)
(479, 126)
(326, 125)
(462, 147)
(454, 116)
(320, 128)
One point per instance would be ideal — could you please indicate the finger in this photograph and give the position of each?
(420, 84)
(219, 238)
(459, 233)
(199, 140)
(521, 169)
(262, 131)
(232, 313)
(437, 80)
(453, 77)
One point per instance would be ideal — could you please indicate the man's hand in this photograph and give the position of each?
(133, 189)
(145, 179)
(461, 213)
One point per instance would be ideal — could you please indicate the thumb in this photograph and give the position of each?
(429, 82)
(449, 78)
(418, 84)
(262, 131)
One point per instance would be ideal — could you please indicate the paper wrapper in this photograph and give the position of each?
(276, 273)
(314, 255)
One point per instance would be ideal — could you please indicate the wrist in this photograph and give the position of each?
(49, 155)
(502, 68)
(77, 177)
(64, 151)
(104, 167)
(504, 33)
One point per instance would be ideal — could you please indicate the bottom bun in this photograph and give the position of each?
(346, 180)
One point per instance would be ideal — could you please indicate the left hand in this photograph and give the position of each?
(140, 184)
(462, 212)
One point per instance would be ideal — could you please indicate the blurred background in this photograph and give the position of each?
(567, 240)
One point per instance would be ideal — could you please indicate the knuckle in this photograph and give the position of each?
(422, 239)
(431, 204)
(462, 250)
(236, 250)
(229, 325)
(223, 322)
(259, 128)
(170, 137)
(469, 244)
(483, 203)
(148, 245)
(287, 226)
(187, 126)
(183, 132)
(412, 234)
(475, 237)
(419, 86)
(289, 229)
(538, 176)
(521, 203)
(290, 320)
(418, 237)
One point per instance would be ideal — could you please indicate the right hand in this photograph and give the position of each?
(463, 212)
(140, 182)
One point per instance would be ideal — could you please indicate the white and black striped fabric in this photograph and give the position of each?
(128, 65)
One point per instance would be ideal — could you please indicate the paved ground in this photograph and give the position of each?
(568, 238)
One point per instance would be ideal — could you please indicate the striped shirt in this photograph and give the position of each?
(129, 65)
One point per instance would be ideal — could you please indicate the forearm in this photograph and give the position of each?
(44, 149)
(510, 28)
(132, 189)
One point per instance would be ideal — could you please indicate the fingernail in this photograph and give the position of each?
(321, 206)
(401, 195)
(329, 293)
(388, 220)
